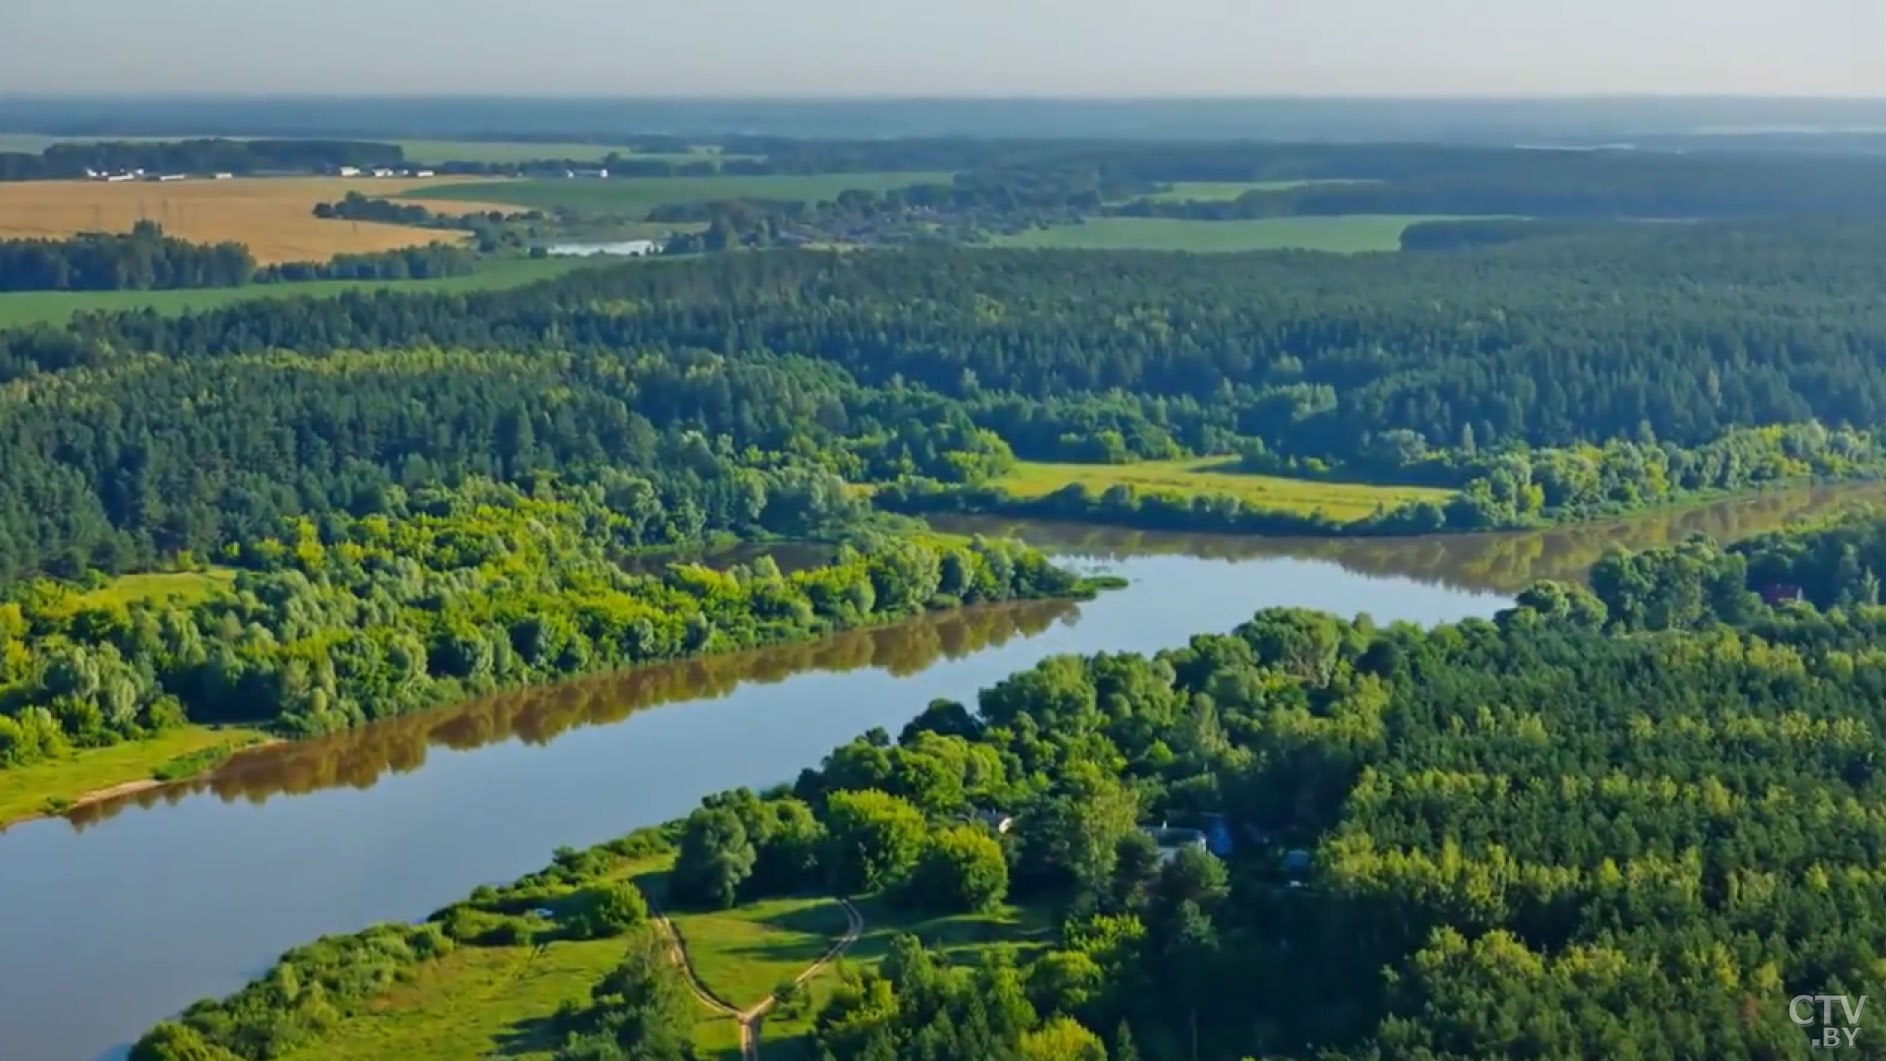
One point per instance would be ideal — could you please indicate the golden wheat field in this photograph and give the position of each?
(273, 216)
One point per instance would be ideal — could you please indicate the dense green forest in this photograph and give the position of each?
(1547, 343)
(1601, 825)
(119, 466)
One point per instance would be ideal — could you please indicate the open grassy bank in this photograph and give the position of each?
(43, 787)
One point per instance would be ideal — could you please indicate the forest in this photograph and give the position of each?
(1626, 821)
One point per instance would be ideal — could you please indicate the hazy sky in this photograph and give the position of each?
(946, 47)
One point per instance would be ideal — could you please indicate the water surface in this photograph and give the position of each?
(131, 910)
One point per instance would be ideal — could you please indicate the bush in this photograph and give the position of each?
(962, 869)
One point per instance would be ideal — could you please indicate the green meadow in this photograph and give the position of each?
(52, 784)
(1191, 476)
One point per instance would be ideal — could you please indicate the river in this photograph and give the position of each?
(131, 910)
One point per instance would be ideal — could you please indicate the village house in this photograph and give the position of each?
(1780, 593)
(1171, 841)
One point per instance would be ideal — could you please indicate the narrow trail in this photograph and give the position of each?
(750, 1018)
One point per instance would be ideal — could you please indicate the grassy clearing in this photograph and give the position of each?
(1351, 234)
(480, 1001)
(743, 953)
(182, 587)
(55, 307)
(1219, 191)
(635, 196)
(25, 790)
(272, 216)
(474, 1002)
(1217, 475)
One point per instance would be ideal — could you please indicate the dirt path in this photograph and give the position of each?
(750, 1018)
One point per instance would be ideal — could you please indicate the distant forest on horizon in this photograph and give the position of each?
(1646, 122)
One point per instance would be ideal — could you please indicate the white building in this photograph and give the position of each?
(350, 171)
(423, 173)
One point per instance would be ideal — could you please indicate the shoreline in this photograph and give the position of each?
(1087, 589)
(124, 789)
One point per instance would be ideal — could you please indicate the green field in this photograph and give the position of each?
(55, 307)
(474, 1002)
(24, 790)
(1351, 234)
(635, 196)
(1217, 475)
(1219, 191)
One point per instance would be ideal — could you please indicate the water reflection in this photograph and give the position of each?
(360, 757)
(1497, 563)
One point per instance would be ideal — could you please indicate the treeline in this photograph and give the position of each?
(63, 161)
(436, 598)
(1557, 834)
(357, 207)
(143, 260)
(148, 260)
(430, 262)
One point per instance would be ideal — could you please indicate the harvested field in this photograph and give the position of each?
(273, 216)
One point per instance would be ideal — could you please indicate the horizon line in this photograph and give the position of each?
(236, 96)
